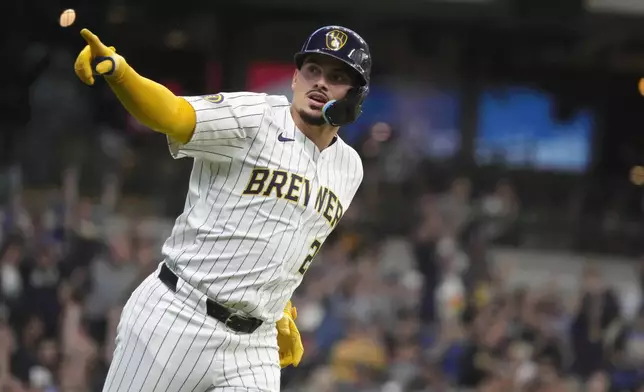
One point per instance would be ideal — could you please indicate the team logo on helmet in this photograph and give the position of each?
(336, 39)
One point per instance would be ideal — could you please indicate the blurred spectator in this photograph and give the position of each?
(483, 355)
(404, 366)
(478, 277)
(427, 234)
(11, 282)
(598, 382)
(450, 293)
(79, 349)
(7, 347)
(429, 378)
(548, 377)
(15, 218)
(43, 281)
(597, 312)
(641, 276)
(499, 210)
(87, 220)
(455, 206)
(627, 354)
(111, 278)
(358, 359)
(25, 354)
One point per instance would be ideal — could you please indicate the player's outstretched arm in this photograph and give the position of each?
(149, 102)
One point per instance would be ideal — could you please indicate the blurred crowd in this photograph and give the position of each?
(405, 295)
(429, 309)
(63, 281)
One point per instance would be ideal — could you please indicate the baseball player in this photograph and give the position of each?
(270, 181)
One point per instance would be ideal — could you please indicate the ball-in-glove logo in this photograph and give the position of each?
(336, 39)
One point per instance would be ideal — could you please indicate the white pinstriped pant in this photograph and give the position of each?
(167, 343)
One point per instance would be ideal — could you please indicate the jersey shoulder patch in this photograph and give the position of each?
(241, 98)
(215, 98)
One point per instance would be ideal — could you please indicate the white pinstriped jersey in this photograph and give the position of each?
(261, 201)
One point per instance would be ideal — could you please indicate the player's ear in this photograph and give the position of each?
(294, 81)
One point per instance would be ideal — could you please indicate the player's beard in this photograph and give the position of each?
(310, 119)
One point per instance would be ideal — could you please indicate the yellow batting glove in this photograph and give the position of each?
(97, 59)
(288, 338)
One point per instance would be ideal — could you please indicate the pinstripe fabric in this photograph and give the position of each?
(167, 343)
(244, 247)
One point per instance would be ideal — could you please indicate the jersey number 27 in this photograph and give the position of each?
(314, 249)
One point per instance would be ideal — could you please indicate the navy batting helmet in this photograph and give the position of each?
(347, 46)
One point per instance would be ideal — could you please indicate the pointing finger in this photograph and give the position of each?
(94, 42)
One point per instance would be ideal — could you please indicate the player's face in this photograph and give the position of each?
(321, 79)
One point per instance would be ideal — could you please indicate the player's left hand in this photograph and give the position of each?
(97, 59)
(288, 338)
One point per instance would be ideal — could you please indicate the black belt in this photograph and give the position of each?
(234, 321)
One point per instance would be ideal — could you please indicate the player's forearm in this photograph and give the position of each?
(154, 105)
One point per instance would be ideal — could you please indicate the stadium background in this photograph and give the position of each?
(495, 244)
